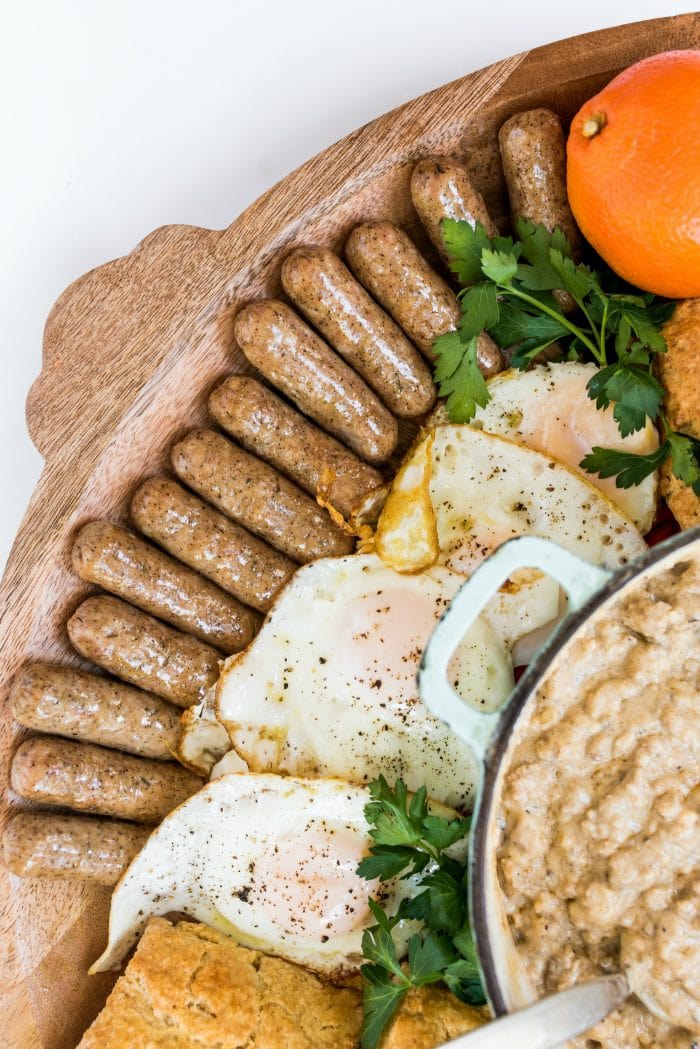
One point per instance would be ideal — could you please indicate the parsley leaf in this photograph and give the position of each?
(644, 325)
(428, 956)
(394, 824)
(579, 280)
(381, 997)
(635, 391)
(627, 468)
(537, 242)
(463, 976)
(685, 459)
(512, 292)
(442, 833)
(515, 325)
(459, 376)
(479, 310)
(404, 836)
(388, 861)
(464, 245)
(528, 349)
(447, 901)
(377, 942)
(498, 266)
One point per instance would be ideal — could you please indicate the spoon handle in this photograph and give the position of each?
(551, 1021)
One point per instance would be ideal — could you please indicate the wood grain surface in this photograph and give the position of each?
(131, 351)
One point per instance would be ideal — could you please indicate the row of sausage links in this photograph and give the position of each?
(248, 491)
(294, 358)
(388, 265)
(255, 494)
(129, 568)
(144, 651)
(259, 503)
(383, 258)
(270, 428)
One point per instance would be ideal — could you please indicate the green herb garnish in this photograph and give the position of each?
(408, 841)
(510, 294)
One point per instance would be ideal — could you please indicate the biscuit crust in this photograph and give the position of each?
(679, 371)
(189, 987)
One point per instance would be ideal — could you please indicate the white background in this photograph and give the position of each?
(122, 115)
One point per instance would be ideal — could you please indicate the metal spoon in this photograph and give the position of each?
(564, 1015)
(551, 1021)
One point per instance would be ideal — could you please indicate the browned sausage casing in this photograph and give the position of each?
(298, 362)
(258, 497)
(142, 650)
(71, 703)
(122, 563)
(533, 151)
(50, 845)
(386, 261)
(328, 295)
(442, 188)
(210, 543)
(87, 778)
(268, 426)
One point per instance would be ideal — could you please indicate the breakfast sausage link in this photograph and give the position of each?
(257, 497)
(269, 427)
(442, 188)
(72, 703)
(392, 269)
(328, 295)
(125, 565)
(300, 364)
(533, 152)
(143, 651)
(210, 543)
(50, 845)
(87, 778)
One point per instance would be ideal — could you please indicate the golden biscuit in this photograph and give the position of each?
(679, 371)
(189, 987)
(430, 1016)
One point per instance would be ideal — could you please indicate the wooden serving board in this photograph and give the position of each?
(131, 351)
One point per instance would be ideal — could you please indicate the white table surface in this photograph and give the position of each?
(119, 116)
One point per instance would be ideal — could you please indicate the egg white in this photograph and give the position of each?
(268, 860)
(548, 408)
(328, 687)
(485, 490)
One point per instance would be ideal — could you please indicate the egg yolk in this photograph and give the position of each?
(308, 885)
(381, 637)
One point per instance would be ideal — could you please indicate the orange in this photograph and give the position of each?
(633, 173)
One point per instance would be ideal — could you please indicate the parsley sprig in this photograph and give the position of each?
(509, 292)
(407, 841)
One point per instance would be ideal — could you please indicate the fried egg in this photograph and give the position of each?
(481, 491)
(203, 740)
(269, 861)
(328, 687)
(547, 408)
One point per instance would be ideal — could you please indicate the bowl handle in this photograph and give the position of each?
(578, 578)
